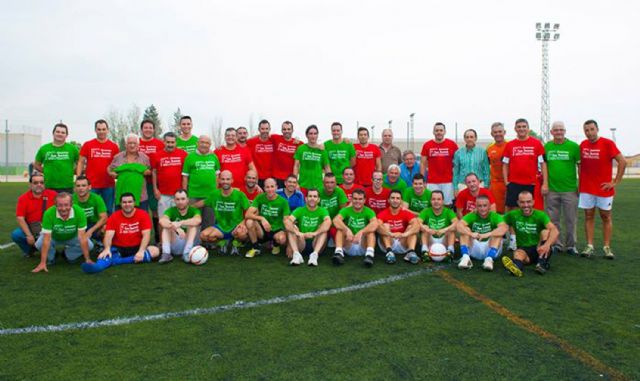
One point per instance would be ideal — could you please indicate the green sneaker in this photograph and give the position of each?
(252, 253)
(587, 252)
(509, 265)
(276, 250)
(608, 253)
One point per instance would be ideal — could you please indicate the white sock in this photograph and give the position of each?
(369, 251)
(166, 248)
(339, 251)
(451, 248)
(425, 248)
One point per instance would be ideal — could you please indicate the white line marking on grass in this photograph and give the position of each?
(217, 309)
(6, 245)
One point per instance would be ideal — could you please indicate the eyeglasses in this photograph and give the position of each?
(37, 182)
(377, 179)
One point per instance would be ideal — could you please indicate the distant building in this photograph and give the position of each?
(23, 145)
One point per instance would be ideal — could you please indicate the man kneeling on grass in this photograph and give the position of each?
(180, 226)
(307, 229)
(356, 225)
(126, 238)
(481, 233)
(264, 220)
(398, 230)
(535, 234)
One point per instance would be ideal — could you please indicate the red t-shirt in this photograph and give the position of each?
(282, 164)
(439, 160)
(30, 207)
(377, 202)
(397, 223)
(168, 166)
(467, 203)
(253, 195)
(262, 154)
(366, 163)
(596, 166)
(99, 156)
(236, 161)
(523, 157)
(348, 192)
(128, 231)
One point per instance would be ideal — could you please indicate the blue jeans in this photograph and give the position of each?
(20, 239)
(72, 248)
(107, 195)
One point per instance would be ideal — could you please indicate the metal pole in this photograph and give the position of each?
(412, 132)
(6, 151)
(408, 127)
(545, 107)
(456, 132)
(373, 133)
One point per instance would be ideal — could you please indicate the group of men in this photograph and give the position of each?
(297, 196)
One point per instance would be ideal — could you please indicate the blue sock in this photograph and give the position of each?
(464, 250)
(493, 253)
(518, 263)
(147, 257)
(118, 260)
(99, 266)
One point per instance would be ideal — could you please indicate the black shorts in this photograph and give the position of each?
(513, 190)
(532, 253)
(308, 247)
(267, 236)
(126, 251)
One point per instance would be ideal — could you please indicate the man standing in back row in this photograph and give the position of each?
(437, 159)
(57, 161)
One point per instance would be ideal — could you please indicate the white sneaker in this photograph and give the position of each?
(313, 259)
(488, 264)
(465, 263)
(512, 244)
(296, 260)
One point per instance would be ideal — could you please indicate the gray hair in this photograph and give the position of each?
(393, 166)
(132, 136)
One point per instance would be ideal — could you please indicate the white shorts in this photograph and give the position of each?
(589, 201)
(396, 246)
(165, 203)
(480, 249)
(440, 240)
(355, 250)
(177, 245)
(446, 188)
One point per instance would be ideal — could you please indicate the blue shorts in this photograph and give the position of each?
(225, 235)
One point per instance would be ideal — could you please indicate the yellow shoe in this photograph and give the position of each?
(275, 250)
(509, 265)
(252, 253)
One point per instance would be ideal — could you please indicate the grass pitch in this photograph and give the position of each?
(422, 327)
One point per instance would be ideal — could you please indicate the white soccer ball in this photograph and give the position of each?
(198, 255)
(437, 252)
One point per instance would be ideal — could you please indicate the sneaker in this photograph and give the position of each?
(412, 258)
(449, 256)
(572, 251)
(426, 257)
(296, 260)
(587, 252)
(465, 263)
(235, 250)
(509, 265)
(368, 261)
(338, 259)
(540, 269)
(275, 250)
(608, 253)
(488, 264)
(165, 258)
(251, 252)
(313, 259)
(390, 258)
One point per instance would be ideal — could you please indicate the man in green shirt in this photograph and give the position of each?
(186, 141)
(264, 219)
(63, 225)
(481, 233)
(307, 229)
(341, 154)
(199, 176)
(95, 210)
(392, 179)
(57, 160)
(418, 197)
(563, 158)
(438, 225)
(356, 226)
(310, 161)
(180, 226)
(229, 206)
(535, 234)
(332, 197)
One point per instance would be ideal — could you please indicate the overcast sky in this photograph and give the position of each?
(470, 62)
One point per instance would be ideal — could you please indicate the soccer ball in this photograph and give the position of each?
(437, 252)
(198, 255)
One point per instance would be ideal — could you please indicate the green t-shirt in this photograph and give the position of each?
(312, 162)
(527, 228)
(60, 229)
(308, 220)
(92, 207)
(228, 210)
(340, 156)
(561, 165)
(189, 146)
(58, 164)
(201, 170)
(333, 202)
(273, 210)
(357, 221)
(481, 225)
(437, 222)
(400, 185)
(130, 179)
(174, 214)
(417, 203)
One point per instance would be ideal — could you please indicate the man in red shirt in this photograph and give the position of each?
(368, 158)
(234, 158)
(251, 188)
(242, 135)
(151, 146)
(166, 172)
(596, 188)
(95, 157)
(397, 231)
(466, 200)
(377, 195)
(31, 205)
(348, 185)
(126, 238)
(436, 162)
(262, 148)
(284, 148)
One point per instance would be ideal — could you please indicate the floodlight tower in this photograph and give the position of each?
(545, 32)
(613, 133)
(411, 131)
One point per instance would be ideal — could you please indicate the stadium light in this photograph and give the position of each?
(545, 33)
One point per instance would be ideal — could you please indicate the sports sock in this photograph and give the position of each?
(147, 257)
(518, 263)
(187, 249)
(464, 249)
(99, 265)
(493, 253)
(339, 251)
(118, 260)
(296, 252)
(369, 251)
(166, 247)
(425, 248)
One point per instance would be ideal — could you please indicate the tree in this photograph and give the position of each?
(175, 126)
(151, 113)
(121, 125)
(133, 119)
